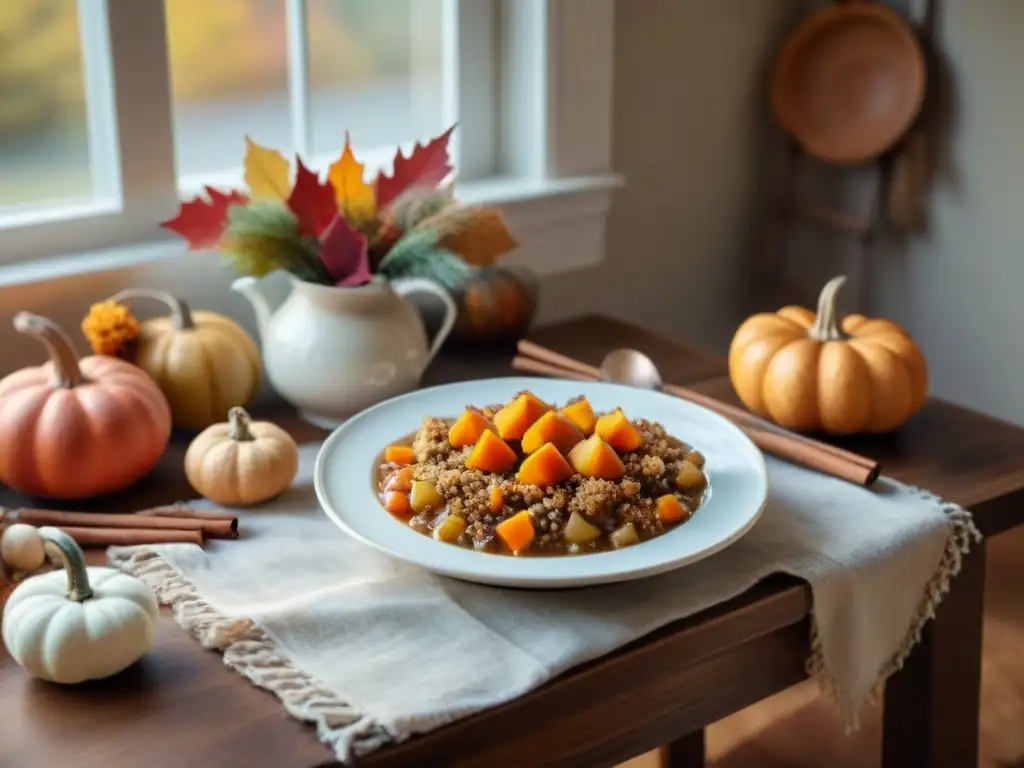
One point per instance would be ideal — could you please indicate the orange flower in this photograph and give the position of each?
(109, 327)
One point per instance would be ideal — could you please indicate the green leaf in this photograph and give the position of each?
(264, 236)
(417, 254)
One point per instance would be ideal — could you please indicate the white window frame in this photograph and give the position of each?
(543, 154)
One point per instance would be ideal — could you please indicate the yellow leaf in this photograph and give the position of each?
(266, 172)
(482, 240)
(354, 196)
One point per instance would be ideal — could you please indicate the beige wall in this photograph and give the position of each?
(959, 290)
(689, 132)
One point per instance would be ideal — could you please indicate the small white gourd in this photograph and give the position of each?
(82, 624)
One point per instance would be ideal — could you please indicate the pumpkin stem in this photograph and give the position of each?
(239, 420)
(181, 315)
(826, 322)
(62, 351)
(73, 561)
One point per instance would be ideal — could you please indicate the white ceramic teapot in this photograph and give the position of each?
(331, 352)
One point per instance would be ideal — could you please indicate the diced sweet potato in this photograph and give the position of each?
(517, 532)
(582, 415)
(552, 427)
(468, 428)
(399, 454)
(495, 499)
(397, 504)
(400, 481)
(615, 429)
(544, 467)
(670, 509)
(595, 458)
(491, 454)
(514, 419)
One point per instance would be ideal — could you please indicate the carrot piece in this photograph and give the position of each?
(517, 532)
(514, 419)
(468, 428)
(397, 504)
(544, 467)
(495, 499)
(399, 454)
(616, 430)
(552, 427)
(491, 454)
(400, 481)
(582, 415)
(595, 458)
(670, 509)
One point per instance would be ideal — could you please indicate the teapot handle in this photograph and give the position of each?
(407, 285)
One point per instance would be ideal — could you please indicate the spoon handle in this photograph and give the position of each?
(537, 352)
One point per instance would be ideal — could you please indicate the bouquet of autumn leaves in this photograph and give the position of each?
(341, 230)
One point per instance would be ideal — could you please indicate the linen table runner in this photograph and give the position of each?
(373, 651)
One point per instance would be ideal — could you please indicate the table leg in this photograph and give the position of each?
(687, 752)
(932, 704)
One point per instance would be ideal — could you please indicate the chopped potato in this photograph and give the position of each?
(689, 476)
(624, 536)
(450, 529)
(696, 458)
(424, 494)
(579, 531)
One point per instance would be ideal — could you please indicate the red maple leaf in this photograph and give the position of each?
(345, 254)
(202, 222)
(426, 166)
(312, 203)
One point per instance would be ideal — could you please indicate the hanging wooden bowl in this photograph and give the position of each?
(849, 82)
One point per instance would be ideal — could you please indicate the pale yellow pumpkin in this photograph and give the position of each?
(203, 362)
(809, 372)
(241, 462)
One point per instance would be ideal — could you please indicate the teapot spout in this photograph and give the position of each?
(255, 292)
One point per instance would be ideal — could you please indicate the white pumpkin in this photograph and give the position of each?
(80, 623)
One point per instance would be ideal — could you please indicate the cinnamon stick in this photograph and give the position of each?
(129, 537)
(187, 513)
(213, 529)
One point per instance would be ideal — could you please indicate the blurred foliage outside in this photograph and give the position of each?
(219, 49)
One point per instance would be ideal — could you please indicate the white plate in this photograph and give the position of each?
(344, 480)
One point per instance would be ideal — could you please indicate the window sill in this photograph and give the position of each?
(559, 223)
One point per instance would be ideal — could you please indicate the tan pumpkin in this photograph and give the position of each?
(203, 362)
(241, 462)
(810, 372)
(71, 428)
(495, 304)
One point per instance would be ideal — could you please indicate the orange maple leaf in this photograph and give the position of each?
(354, 196)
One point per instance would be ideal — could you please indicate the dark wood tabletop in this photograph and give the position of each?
(180, 706)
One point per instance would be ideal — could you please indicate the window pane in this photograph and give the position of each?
(44, 147)
(229, 76)
(375, 69)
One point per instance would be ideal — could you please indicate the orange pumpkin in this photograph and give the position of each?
(71, 428)
(808, 371)
(495, 304)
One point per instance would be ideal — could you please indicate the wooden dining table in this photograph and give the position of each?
(180, 706)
